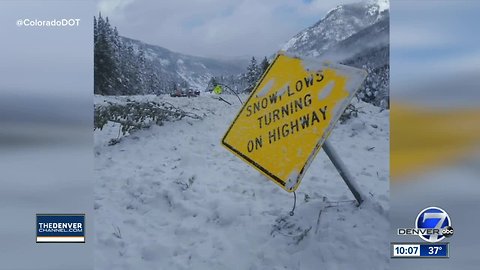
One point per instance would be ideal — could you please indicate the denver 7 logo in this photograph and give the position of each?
(433, 218)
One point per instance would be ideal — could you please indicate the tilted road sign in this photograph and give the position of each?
(290, 114)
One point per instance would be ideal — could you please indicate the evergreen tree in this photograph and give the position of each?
(252, 75)
(104, 60)
(119, 68)
(264, 65)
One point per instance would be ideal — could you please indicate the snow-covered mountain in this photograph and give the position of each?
(195, 70)
(339, 24)
(353, 34)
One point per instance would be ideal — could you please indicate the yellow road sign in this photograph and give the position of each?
(289, 115)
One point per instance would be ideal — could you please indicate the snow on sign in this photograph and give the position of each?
(290, 114)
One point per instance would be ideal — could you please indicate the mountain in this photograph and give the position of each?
(197, 71)
(353, 34)
(339, 24)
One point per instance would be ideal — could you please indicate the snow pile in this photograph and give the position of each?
(171, 197)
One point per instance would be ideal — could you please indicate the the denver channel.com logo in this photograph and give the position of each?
(60, 228)
(432, 225)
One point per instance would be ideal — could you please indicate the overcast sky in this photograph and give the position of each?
(219, 28)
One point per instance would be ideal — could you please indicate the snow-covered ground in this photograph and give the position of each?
(171, 197)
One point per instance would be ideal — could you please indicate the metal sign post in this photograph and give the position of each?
(342, 169)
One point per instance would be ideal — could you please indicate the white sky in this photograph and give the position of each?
(219, 28)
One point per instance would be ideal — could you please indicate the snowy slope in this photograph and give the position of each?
(195, 70)
(171, 197)
(339, 24)
(374, 37)
(357, 35)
